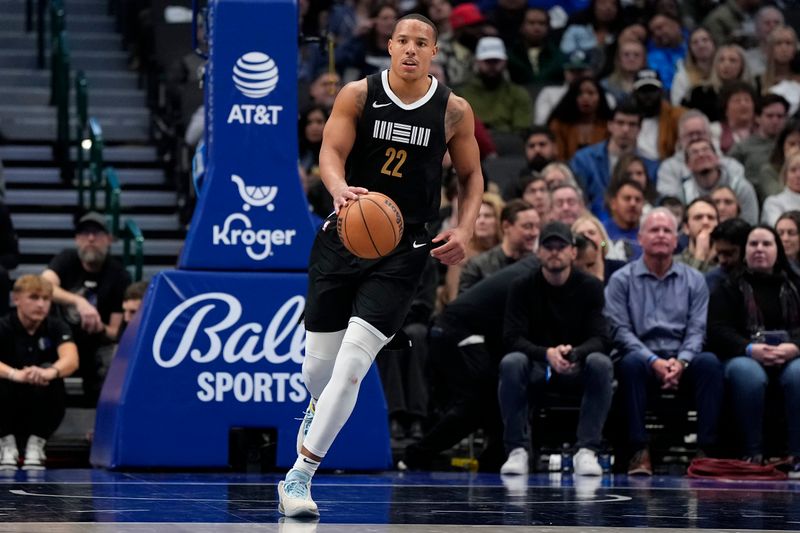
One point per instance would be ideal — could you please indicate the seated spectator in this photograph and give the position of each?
(594, 31)
(729, 66)
(576, 66)
(788, 228)
(540, 148)
(738, 121)
(520, 228)
(488, 234)
(131, 302)
(557, 338)
(535, 59)
(727, 203)
(767, 19)
(633, 167)
(9, 254)
(37, 353)
(787, 143)
(533, 189)
(580, 118)
(657, 311)
(612, 254)
(466, 347)
(673, 172)
(89, 285)
(701, 219)
(310, 126)
(501, 105)
(567, 203)
(732, 20)
(789, 199)
(366, 54)
(324, 89)
(754, 151)
(781, 75)
(659, 129)
(556, 174)
(708, 173)
(593, 165)
(695, 70)
(753, 322)
(728, 241)
(631, 57)
(667, 46)
(625, 203)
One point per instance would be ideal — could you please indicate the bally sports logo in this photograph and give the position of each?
(239, 230)
(255, 75)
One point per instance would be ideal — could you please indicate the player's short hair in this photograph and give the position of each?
(33, 284)
(421, 18)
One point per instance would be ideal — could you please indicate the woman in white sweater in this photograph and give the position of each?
(789, 199)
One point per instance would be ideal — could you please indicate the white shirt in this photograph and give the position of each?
(647, 142)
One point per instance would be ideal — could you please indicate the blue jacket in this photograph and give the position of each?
(591, 166)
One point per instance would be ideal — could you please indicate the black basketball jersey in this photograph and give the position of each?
(399, 148)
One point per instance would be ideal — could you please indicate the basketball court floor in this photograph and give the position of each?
(98, 501)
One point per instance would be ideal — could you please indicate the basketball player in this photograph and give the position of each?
(387, 133)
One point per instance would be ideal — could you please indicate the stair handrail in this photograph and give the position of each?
(83, 143)
(95, 146)
(60, 98)
(132, 234)
(113, 192)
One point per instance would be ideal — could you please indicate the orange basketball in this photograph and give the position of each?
(370, 227)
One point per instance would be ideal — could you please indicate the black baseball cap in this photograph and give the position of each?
(557, 230)
(92, 219)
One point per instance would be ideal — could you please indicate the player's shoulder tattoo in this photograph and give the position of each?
(456, 109)
(359, 94)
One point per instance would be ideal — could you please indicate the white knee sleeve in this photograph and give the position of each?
(360, 345)
(321, 350)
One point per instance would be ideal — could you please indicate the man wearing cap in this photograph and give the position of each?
(468, 25)
(500, 104)
(657, 311)
(659, 131)
(89, 285)
(557, 338)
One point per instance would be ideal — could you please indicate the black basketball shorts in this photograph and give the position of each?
(379, 291)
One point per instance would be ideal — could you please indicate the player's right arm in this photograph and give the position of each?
(337, 142)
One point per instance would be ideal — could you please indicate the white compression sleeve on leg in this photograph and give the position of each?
(361, 344)
(321, 350)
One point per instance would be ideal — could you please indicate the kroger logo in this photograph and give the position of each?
(239, 230)
(255, 75)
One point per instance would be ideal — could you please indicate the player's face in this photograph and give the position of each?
(412, 48)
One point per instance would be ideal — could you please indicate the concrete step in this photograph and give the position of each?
(78, 41)
(38, 221)
(129, 199)
(148, 271)
(98, 80)
(47, 246)
(91, 23)
(40, 97)
(35, 123)
(22, 176)
(79, 59)
(113, 155)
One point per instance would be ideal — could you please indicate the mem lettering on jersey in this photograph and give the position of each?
(403, 133)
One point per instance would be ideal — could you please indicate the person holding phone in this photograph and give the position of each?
(754, 326)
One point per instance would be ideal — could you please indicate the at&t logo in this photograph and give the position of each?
(255, 75)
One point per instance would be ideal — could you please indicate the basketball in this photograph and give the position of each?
(370, 227)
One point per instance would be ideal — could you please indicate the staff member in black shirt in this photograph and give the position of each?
(36, 352)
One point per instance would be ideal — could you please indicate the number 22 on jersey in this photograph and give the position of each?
(398, 157)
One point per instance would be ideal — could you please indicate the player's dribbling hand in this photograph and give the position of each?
(454, 248)
(345, 194)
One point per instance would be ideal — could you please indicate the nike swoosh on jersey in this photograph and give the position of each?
(420, 245)
(376, 105)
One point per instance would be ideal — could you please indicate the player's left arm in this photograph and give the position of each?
(464, 152)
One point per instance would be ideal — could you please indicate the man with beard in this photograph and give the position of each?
(457, 53)
(89, 286)
(540, 148)
(701, 219)
(535, 58)
(659, 129)
(593, 164)
(557, 338)
(500, 104)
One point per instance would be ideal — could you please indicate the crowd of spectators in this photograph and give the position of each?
(658, 150)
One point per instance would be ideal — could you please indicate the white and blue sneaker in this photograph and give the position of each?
(308, 417)
(294, 495)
